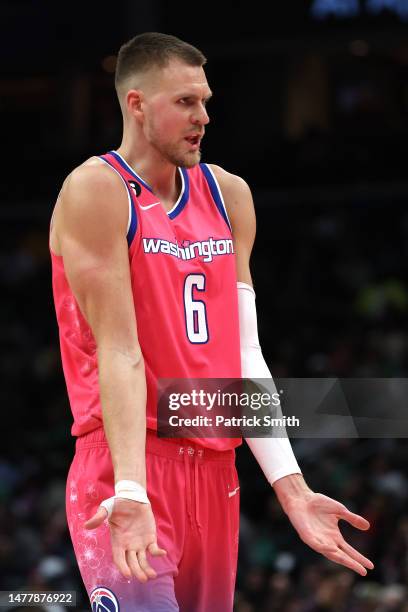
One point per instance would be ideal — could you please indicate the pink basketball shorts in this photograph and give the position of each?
(194, 494)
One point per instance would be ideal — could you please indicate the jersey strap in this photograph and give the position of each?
(215, 192)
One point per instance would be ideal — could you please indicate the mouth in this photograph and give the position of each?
(194, 141)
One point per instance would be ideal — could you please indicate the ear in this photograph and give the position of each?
(134, 102)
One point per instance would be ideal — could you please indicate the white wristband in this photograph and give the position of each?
(130, 489)
(108, 504)
(126, 489)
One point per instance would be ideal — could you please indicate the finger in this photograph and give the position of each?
(97, 518)
(155, 550)
(119, 559)
(354, 554)
(338, 556)
(134, 565)
(108, 504)
(333, 506)
(355, 519)
(144, 564)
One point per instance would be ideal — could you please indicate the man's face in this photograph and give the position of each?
(174, 112)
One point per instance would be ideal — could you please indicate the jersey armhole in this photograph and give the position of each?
(216, 192)
(132, 218)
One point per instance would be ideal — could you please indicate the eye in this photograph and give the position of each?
(185, 101)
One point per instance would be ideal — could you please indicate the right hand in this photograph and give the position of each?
(133, 533)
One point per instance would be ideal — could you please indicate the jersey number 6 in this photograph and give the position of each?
(194, 310)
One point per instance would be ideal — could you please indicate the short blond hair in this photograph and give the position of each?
(153, 50)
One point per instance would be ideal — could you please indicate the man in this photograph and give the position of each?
(143, 290)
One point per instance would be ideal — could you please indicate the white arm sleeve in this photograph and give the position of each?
(274, 455)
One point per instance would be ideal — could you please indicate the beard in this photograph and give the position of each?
(184, 160)
(174, 153)
(176, 156)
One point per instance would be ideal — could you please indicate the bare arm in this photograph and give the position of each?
(92, 237)
(91, 231)
(314, 516)
(240, 207)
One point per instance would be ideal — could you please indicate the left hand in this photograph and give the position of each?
(315, 517)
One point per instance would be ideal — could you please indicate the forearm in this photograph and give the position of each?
(274, 455)
(122, 385)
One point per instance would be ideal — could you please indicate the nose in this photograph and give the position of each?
(200, 117)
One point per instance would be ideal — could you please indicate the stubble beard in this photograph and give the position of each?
(172, 153)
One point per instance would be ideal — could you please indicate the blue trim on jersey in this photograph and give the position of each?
(184, 197)
(133, 216)
(215, 193)
(133, 223)
(126, 167)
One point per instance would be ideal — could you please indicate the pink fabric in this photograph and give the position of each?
(195, 501)
(158, 283)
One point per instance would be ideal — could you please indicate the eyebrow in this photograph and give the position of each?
(193, 95)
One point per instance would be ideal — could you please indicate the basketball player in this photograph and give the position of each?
(150, 252)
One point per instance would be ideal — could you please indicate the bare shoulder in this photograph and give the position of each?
(93, 194)
(231, 184)
(93, 181)
(237, 197)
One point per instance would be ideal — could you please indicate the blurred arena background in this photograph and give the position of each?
(311, 108)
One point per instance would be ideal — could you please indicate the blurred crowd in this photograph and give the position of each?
(277, 572)
(331, 299)
(314, 115)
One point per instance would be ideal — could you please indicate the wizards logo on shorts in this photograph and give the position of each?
(103, 600)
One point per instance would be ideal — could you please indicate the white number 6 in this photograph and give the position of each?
(194, 310)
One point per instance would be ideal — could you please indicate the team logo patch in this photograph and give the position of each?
(103, 600)
(136, 188)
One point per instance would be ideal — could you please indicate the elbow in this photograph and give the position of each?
(135, 358)
(130, 355)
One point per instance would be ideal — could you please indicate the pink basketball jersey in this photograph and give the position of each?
(183, 276)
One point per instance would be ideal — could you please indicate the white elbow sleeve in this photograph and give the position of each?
(274, 455)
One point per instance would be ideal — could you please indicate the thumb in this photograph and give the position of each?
(344, 513)
(155, 551)
(97, 518)
(359, 522)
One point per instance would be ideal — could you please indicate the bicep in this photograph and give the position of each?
(96, 262)
(243, 231)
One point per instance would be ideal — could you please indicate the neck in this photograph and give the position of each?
(160, 174)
